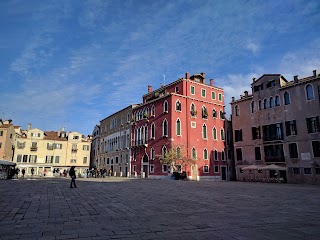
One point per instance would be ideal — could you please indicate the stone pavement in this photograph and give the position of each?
(115, 208)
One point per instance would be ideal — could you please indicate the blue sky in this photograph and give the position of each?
(73, 63)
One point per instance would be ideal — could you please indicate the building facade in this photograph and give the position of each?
(278, 123)
(50, 153)
(114, 149)
(188, 115)
(7, 137)
(95, 147)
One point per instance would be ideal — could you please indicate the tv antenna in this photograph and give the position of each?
(164, 79)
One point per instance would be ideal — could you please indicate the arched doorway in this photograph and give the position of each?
(145, 165)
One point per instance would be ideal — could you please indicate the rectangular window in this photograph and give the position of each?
(213, 95)
(33, 158)
(307, 171)
(1, 133)
(86, 147)
(75, 137)
(257, 153)
(258, 88)
(296, 170)
(0, 144)
(238, 135)
(192, 90)
(57, 159)
(134, 168)
(291, 128)
(25, 158)
(19, 158)
(272, 132)
(151, 168)
(58, 146)
(164, 168)
(271, 83)
(316, 148)
(313, 124)
(50, 146)
(220, 97)
(293, 150)
(85, 159)
(317, 171)
(206, 169)
(256, 133)
(203, 92)
(216, 169)
(49, 159)
(274, 153)
(73, 160)
(239, 154)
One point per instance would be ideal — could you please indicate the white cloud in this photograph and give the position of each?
(253, 47)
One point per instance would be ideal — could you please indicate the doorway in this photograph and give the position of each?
(194, 172)
(223, 173)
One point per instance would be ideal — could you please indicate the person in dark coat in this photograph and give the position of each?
(72, 174)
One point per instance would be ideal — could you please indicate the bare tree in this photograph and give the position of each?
(177, 155)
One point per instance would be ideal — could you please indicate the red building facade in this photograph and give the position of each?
(186, 114)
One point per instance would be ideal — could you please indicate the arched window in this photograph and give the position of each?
(153, 111)
(215, 155)
(152, 154)
(165, 128)
(153, 131)
(236, 110)
(214, 113)
(204, 131)
(309, 92)
(178, 127)
(194, 153)
(128, 118)
(222, 134)
(193, 110)
(286, 97)
(271, 102)
(146, 134)
(165, 106)
(277, 100)
(266, 104)
(214, 133)
(205, 154)
(259, 105)
(222, 155)
(164, 151)
(204, 112)
(252, 107)
(140, 115)
(222, 115)
(178, 106)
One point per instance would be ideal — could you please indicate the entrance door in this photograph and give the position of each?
(194, 172)
(126, 172)
(145, 170)
(224, 173)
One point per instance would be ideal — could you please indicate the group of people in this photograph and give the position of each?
(98, 173)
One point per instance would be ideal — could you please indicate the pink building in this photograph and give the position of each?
(187, 114)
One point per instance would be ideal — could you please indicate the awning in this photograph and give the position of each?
(273, 167)
(251, 167)
(8, 163)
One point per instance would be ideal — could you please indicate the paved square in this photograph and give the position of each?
(157, 209)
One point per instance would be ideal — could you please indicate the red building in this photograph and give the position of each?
(186, 114)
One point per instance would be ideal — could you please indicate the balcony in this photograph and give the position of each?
(33, 149)
(140, 143)
(50, 147)
(74, 150)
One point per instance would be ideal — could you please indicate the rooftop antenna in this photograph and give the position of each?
(164, 79)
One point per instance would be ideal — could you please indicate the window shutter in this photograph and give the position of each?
(318, 123)
(287, 129)
(295, 127)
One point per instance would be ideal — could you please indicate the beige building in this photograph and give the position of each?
(50, 153)
(115, 142)
(278, 123)
(7, 136)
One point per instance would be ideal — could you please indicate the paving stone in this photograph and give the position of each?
(114, 208)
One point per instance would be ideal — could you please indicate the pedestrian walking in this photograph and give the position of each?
(72, 174)
(23, 172)
(32, 171)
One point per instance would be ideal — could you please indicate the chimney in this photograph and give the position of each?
(149, 89)
(232, 99)
(187, 75)
(29, 126)
(253, 79)
(246, 93)
(296, 80)
(203, 74)
(211, 82)
(315, 73)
